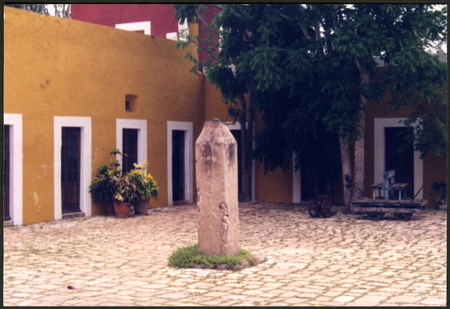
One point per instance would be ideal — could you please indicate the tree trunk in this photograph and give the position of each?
(249, 161)
(359, 165)
(347, 173)
(359, 177)
(246, 175)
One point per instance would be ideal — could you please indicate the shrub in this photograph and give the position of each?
(189, 257)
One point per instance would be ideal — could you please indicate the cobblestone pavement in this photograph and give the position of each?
(345, 260)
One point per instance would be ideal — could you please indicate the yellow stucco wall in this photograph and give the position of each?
(215, 106)
(60, 67)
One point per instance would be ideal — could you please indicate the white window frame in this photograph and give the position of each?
(85, 124)
(187, 127)
(141, 126)
(172, 36)
(379, 152)
(237, 126)
(137, 26)
(16, 166)
(183, 29)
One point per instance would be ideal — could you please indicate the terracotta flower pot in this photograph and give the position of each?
(141, 207)
(122, 210)
(109, 209)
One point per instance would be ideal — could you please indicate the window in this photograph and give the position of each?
(183, 30)
(130, 102)
(140, 27)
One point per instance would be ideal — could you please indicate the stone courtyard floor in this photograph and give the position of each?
(344, 260)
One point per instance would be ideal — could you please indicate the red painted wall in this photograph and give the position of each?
(161, 16)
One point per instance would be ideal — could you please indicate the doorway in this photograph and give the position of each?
(70, 169)
(6, 173)
(399, 155)
(178, 166)
(130, 149)
(237, 136)
(180, 162)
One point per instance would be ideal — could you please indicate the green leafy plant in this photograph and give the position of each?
(109, 185)
(112, 185)
(189, 257)
(103, 187)
(142, 183)
(115, 151)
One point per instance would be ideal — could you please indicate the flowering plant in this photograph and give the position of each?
(143, 184)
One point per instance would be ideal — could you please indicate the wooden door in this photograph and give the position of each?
(70, 170)
(178, 166)
(399, 155)
(6, 174)
(130, 149)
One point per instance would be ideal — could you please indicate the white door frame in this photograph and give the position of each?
(85, 124)
(237, 126)
(16, 166)
(379, 153)
(141, 126)
(187, 127)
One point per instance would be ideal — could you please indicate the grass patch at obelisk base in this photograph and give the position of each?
(190, 257)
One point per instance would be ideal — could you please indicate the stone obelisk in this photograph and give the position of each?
(217, 190)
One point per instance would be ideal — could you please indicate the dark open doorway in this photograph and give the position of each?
(70, 170)
(130, 149)
(178, 166)
(6, 174)
(399, 155)
(237, 137)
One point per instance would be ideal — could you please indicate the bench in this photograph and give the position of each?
(389, 185)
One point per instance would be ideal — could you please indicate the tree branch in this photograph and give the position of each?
(305, 31)
(217, 6)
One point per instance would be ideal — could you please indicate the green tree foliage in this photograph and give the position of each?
(424, 86)
(311, 68)
(38, 8)
(59, 10)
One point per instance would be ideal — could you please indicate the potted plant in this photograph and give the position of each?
(439, 192)
(144, 187)
(111, 187)
(102, 188)
(124, 194)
